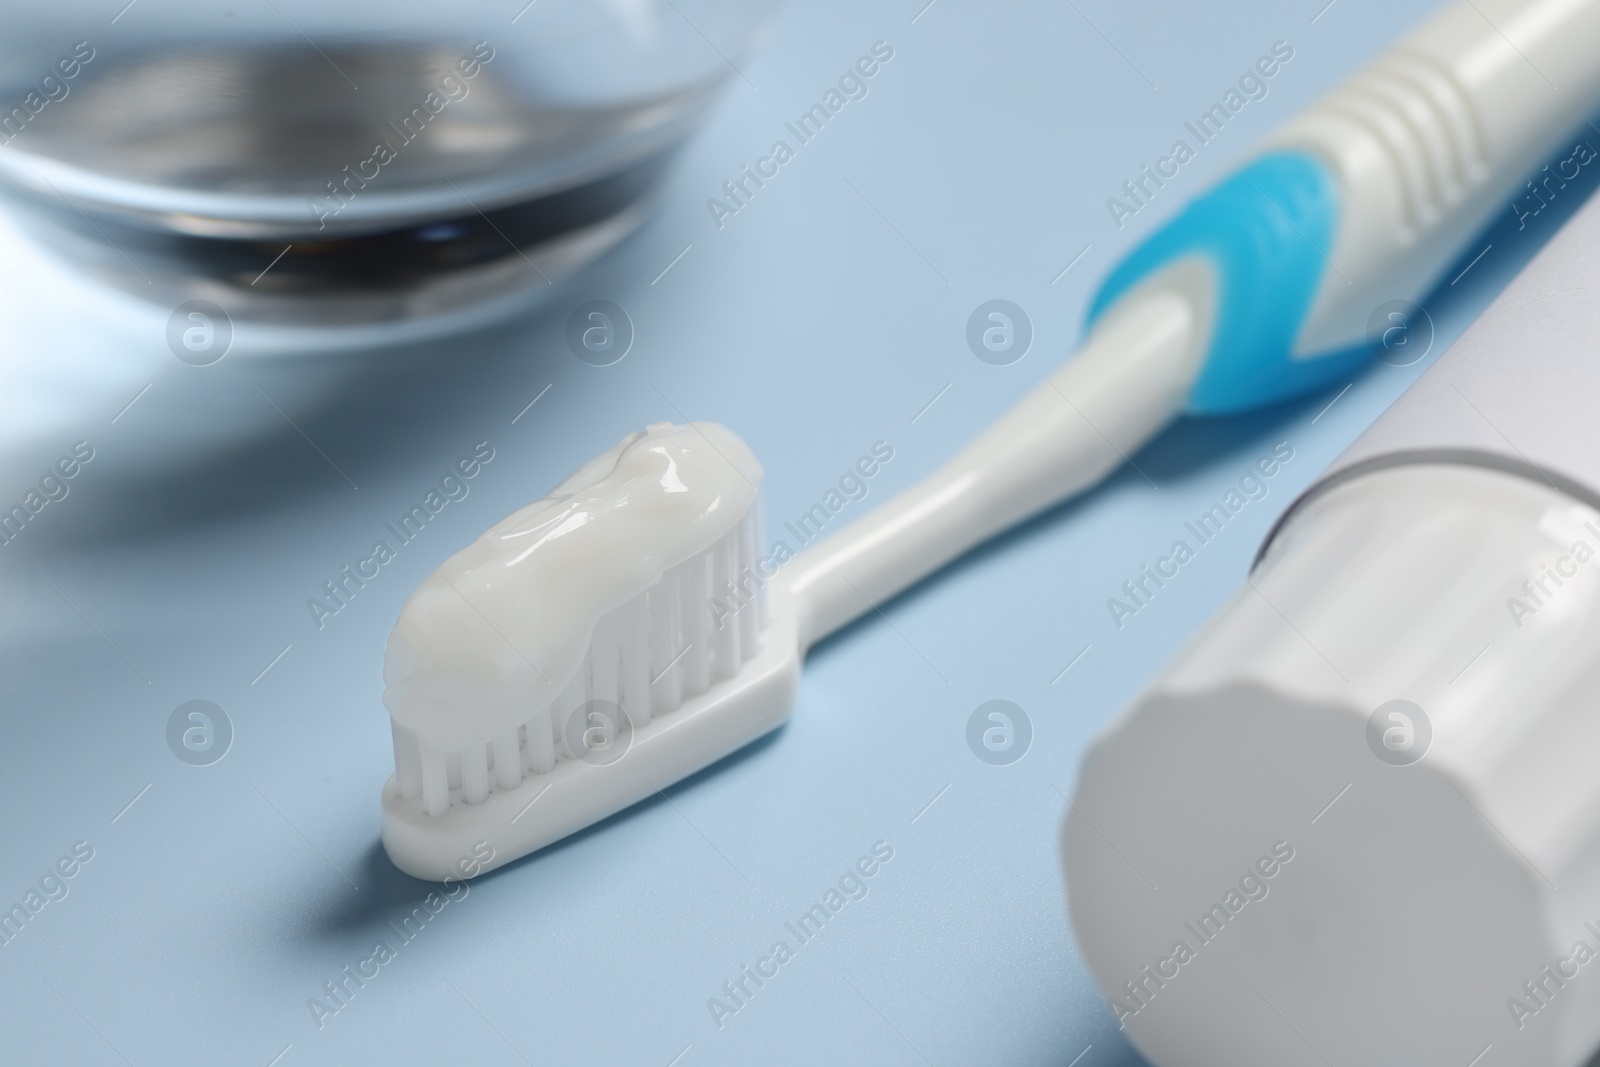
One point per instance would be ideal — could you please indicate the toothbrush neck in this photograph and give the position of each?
(1086, 419)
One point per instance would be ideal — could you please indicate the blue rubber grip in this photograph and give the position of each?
(1267, 231)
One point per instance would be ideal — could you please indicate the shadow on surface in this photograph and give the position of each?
(388, 892)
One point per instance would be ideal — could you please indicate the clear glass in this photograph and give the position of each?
(317, 163)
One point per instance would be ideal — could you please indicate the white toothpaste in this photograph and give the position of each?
(505, 623)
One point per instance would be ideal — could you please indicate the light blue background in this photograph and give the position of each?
(822, 318)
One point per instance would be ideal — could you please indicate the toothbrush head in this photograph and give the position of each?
(585, 652)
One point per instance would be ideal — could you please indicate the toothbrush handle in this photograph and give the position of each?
(1260, 290)
(1359, 204)
(1068, 433)
(1437, 136)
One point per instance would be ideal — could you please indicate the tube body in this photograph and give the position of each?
(1402, 695)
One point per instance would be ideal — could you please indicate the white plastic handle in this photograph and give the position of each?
(1436, 136)
(1128, 381)
(1425, 144)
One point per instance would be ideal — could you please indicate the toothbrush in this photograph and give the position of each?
(629, 629)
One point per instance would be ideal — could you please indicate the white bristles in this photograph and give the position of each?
(435, 782)
(670, 643)
(570, 700)
(694, 596)
(507, 761)
(758, 520)
(666, 682)
(750, 614)
(541, 741)
(604, 670)
(633, 621)
(475, 774)
(407, 762)
(724, 572)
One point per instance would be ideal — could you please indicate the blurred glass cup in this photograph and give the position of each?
(354, 164)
